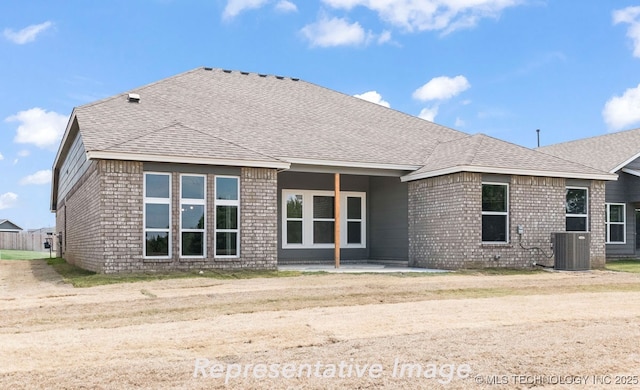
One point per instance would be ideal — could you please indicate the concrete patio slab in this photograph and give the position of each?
(355, 268)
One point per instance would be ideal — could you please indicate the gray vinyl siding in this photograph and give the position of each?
(320, 182)
(625, 190)
(389, 219)
(73, 167)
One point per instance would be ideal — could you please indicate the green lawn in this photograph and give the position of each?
(624, 266)
(10, 254)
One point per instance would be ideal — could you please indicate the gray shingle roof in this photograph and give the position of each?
(214, 114)
(278, 117)
(607, 152)
(481, 153)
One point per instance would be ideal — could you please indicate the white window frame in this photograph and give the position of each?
(586, 216)
(503, 213)
(623, 223)
(225, 202)
(307, 219)
(198, 202)
(152, 200)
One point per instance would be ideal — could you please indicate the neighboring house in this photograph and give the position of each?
(8, 226)
(616, 153)
(224, 169)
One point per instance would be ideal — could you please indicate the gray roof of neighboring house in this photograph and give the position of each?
(609, 152)
(213, 116)
(6, 225)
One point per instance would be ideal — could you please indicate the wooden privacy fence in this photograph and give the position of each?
(26, 241)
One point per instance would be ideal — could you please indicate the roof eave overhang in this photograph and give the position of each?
(508, 171)
(631, 171)
(105, 155)
(332, 164)
(625, 163)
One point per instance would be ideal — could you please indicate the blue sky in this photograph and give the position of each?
(500, 67)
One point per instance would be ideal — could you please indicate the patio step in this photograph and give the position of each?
(393, 263)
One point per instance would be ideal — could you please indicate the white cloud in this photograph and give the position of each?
(8, 200)
(459, 122)
(384, 37)
(630, 16)
(334, 32)
(1, 157)
(39, 127)
(40, 177)
(429, 113)
(373, 97)
(623, 111)
(235, 7)
(435, 15)
(441, 88)
(27, 34)
(24, 153)
(286, 6)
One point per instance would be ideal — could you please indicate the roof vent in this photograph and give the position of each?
(226, 70)
(280, 77)
(133, 98)
(244, 73)
(295, 79)
(207, 68)
(262, 75)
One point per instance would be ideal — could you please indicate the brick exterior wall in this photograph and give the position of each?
(445, 222)
(121, 216)
(597, 215)
(102, 222)
(78, 217)
(259, 218)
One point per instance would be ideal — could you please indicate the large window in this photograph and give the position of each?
(227, 203)
(192, 215)
(157, 215)
(616, 230)
(577, 214)
(495, 212)
(308, 219)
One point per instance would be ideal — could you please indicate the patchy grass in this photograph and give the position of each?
(501, 271)
(79, 277)
(624, 266)
(10, 254)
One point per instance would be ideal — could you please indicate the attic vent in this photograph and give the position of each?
(295, 79)
(226, 70)
(207, 68)
(280, 77)
(133, 98)
(262, 75)
(244, 73)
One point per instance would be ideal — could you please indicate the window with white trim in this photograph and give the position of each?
(157, 215)
(308, 219)
(193, 211)
(577, 209)
(227, 210)
(495, 212)
(616, 223)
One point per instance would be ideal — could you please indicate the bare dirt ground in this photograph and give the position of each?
(555, 330)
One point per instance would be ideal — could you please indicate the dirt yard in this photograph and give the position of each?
(328, 331)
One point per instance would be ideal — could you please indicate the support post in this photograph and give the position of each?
(336, 203)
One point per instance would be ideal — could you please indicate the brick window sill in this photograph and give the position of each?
(494, 246)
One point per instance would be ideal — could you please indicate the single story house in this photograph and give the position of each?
(219, 169)
(616, 153)
(8, 226)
